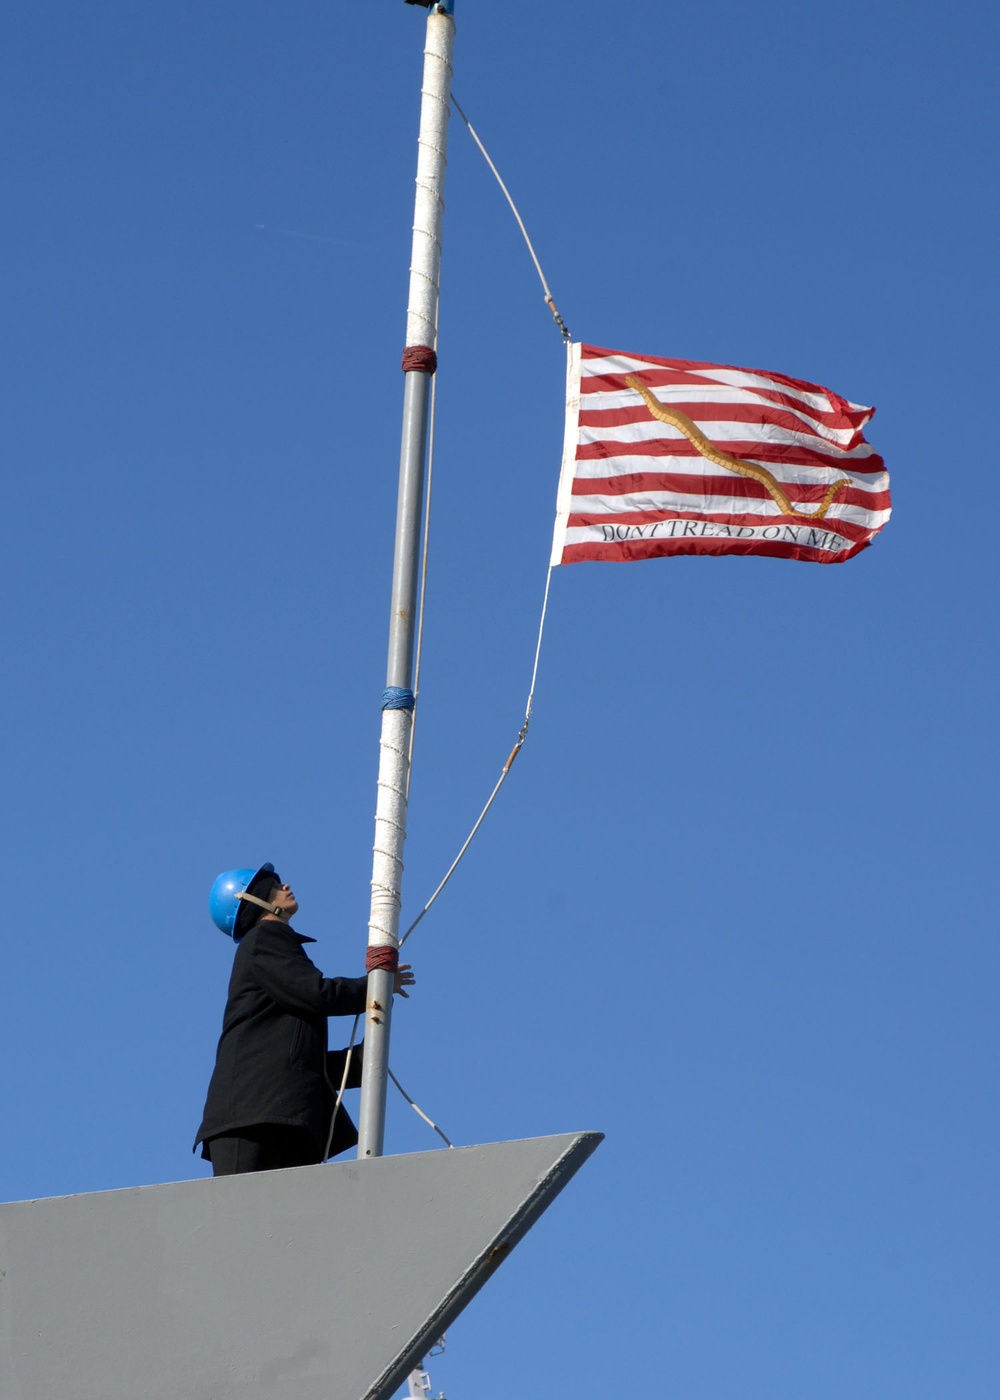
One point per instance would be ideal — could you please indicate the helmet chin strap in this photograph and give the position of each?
(263, 904)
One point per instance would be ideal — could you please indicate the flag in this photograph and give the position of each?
(678, 457)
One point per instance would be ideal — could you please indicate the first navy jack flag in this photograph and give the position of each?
(679, 457)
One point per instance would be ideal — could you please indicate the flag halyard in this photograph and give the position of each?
(666, 457)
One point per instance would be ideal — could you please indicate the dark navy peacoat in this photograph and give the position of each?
(269, 1067)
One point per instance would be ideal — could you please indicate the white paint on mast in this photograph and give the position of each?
(428, 208)
(421, 330)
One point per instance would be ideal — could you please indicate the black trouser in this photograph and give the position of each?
(266, 1147)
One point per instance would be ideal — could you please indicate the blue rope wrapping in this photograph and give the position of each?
(394, 697)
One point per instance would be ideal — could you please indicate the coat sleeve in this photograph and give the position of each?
(289, 978)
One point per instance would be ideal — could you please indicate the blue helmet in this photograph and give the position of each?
(224, 903)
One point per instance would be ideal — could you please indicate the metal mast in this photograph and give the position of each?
(419, 363)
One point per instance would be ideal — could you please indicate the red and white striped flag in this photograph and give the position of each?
(679, 457)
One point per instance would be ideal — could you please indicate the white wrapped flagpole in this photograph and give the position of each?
(428, 207)
(397, 714)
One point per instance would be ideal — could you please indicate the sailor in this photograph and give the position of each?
(271, 1098)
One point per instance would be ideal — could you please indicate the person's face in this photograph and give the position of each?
(284, 899)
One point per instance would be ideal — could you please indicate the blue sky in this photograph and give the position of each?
(736, 906)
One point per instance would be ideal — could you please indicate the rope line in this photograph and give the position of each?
(343, 1086)
(549, 299)
(419, 648)
(414, 702)
(447, 1141)
(523, 731)
(518, 745)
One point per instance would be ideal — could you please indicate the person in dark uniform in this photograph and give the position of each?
(271, 1098)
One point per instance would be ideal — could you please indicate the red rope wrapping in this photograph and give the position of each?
(384, 958)
(420, 357)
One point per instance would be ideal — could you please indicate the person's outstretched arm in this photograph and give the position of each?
(285, 972)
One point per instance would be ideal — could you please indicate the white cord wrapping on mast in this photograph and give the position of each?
(428, 208)
(390, 827)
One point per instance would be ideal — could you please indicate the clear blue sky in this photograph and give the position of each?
(737, 905)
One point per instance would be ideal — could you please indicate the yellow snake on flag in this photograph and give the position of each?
(697, 438)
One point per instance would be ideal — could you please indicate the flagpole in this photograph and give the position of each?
(419, 363)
